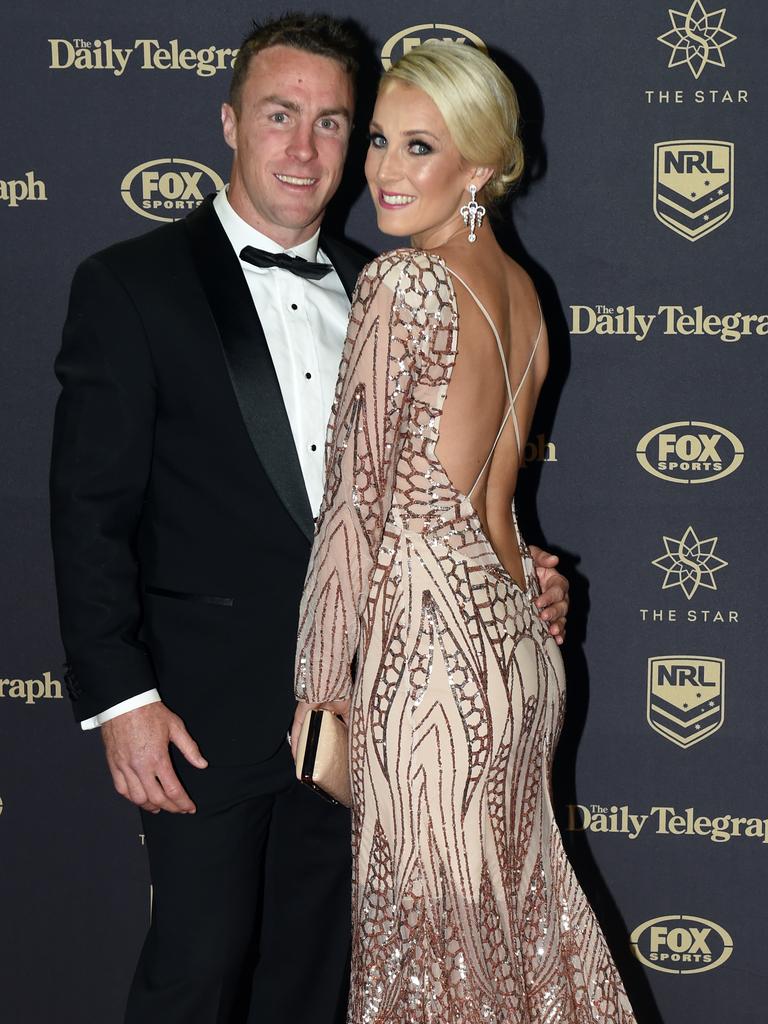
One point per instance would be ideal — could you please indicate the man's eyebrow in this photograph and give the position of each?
(336, 112)
(280, 101)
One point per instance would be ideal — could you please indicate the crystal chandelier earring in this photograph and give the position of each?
(472, 214)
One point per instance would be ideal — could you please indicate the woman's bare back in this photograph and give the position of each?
(478, 400)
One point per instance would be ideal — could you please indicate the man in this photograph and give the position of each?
(197, 381)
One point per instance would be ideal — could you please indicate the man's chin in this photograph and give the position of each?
(299, 217)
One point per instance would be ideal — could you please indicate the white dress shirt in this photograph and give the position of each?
(305, 323)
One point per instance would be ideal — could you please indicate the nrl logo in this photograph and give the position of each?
(693, 186)
(686, 698)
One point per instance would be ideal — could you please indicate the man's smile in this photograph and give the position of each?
(289, 179)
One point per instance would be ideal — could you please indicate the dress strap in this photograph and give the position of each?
(533, 350)
(510, 395)
(492, 325)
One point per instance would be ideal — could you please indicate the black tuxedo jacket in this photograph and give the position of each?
(181, 524)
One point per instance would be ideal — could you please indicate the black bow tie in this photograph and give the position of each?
(295, 264)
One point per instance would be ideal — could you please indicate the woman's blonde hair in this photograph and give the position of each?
(478, 104)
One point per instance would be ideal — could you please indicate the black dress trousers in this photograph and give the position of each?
(251, 903)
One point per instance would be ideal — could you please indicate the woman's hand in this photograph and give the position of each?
(302, 710)
(336, 707)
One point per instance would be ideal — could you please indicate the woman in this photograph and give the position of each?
(465, 907)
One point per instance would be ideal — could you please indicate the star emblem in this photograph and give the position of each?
(696, 38)
(689, 563)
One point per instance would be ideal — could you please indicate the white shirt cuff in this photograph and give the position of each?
(139, 701)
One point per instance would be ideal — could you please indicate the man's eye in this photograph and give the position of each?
(279, 117)
(377, 140)
(328, 124)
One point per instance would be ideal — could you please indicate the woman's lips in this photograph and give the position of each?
(395, 200)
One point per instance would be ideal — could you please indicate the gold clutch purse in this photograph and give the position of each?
(322, 756)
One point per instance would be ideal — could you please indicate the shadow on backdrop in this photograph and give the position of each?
(353, 182)
(577, 670)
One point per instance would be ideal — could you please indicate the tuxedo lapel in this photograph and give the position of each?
(347, 262)
(250, 365)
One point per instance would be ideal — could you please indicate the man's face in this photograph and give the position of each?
(290, 139)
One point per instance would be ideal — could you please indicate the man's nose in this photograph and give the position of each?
(302, 143)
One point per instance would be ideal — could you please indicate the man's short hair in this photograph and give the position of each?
(314, 33)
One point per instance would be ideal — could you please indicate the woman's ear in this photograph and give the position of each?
(480, 177)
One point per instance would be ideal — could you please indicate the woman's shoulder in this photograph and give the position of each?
(413, 269)
(520, 281)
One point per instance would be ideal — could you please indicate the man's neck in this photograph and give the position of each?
(287, 238)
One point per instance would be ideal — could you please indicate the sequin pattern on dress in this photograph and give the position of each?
(465, 908)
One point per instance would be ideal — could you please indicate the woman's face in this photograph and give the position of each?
(416, 175)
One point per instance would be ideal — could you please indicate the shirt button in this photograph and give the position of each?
(294, 306)
(308, 375)
(313, 447)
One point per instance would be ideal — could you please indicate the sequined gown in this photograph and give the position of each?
(465, 908)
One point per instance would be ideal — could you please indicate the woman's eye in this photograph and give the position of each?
(376, 140)
(420, 148)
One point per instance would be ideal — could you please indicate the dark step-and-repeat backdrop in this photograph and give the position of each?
(643, 222)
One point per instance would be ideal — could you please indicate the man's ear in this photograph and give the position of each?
(229, 125)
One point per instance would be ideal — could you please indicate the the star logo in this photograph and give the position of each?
(696, 38)
(689, 563)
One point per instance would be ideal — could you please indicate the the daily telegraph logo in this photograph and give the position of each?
(539, 449)
(689, 563)
(673, 321)
(690, 452)
(681, 944)
(31, 690)
(685, 697)
(697, 38)
(629, 823)
(693, 186)
(20, 190)
(80, 54)
(168, 188)
(409, 38)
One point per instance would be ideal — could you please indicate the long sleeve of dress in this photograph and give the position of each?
(391, 322)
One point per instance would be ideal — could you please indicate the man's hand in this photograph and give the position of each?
(336, 707)
(553, 602)
(136, 745)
